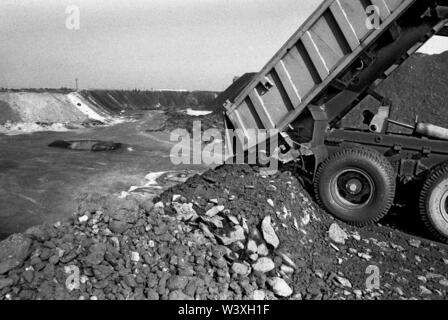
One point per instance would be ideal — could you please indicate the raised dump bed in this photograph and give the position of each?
(331, 64)
(327, 43)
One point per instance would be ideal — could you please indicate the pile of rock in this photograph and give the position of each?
(249, 252)
(133, 254)
(178, 248)
(231, 233)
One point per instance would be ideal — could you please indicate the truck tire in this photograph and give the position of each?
(434, 202)
(356, 185)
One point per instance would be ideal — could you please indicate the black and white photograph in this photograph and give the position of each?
(230, 157)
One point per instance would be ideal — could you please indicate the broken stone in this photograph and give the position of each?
(245, 226)
(233, 219)
(53, 259)
(152, 295)
(397, 247)
(399, 291)
(147, 205)
(118, 226)
(5, 282)
(269, 234)
(236, 235)
(83, 218)
(214, 211)
(216, 221)
(252, 246)
(365, 256)
(177, 283)
(258, 295)
(337, 234)
(207, 231)
(83, 279)
(239, 245)
(13, 252)
(358, 294)
(159, 208)
(433, 276)
(444, 282)
(425, 291)
(28, 275)
(319, 273)
(101, 272)
(344, 282)
(280, 287)
(253, 257)
(422, 279)
(264, 265)
(306, 219)
(286, 269)
(356, 236)
(185, 211)
(286, 259)
(135, 256)
(241, 269)
(178, 296)
(263, 250)
(96, 255)
(415, 243)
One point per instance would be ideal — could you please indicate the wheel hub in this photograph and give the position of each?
(353, 188)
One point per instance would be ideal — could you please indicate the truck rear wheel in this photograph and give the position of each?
(356, 185)
(434, 202)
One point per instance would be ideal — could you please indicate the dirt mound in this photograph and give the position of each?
(115, 101)
(48, 108)
(228, 234)
(41, 107)
(31, 111)
(180, 120)
(418, 87)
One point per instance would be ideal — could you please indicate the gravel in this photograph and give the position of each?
(218, 240)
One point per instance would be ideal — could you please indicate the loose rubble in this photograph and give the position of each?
(337, 235)
(213, 238)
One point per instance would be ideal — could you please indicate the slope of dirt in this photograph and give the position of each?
(228, 234)
(418, 87)
(41, 107)
(31, 111)
(117, 100)
(181, 120)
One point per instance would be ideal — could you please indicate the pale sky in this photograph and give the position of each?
(144, 44)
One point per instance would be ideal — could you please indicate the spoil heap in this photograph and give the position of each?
(228, 234)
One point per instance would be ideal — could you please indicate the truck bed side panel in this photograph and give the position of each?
(317, 53)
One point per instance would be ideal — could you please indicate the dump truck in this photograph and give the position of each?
(332, 63)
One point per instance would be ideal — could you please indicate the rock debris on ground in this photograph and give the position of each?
(215, 238)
